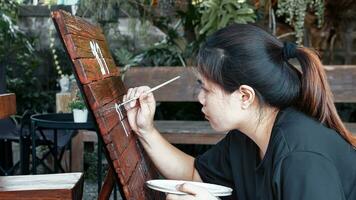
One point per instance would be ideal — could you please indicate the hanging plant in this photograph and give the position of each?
(52, 48)
(294, 12)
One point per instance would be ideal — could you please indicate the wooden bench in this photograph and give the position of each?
(67, 186)
(341, 78)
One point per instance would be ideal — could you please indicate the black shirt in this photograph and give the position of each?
(304, 161)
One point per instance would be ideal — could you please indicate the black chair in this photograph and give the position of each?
(11, 131)
(8, 133)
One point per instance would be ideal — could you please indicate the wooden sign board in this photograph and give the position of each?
(100, 83)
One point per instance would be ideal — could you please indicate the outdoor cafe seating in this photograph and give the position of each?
(103, 48)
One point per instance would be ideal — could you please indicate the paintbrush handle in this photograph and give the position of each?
(151, 90)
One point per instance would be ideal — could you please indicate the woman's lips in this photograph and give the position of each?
(206, 116)
(202, 110)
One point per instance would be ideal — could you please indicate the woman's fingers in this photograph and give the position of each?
(127, 97)
(133, 95)
(196, 192)
(191, 189)
(136, 93)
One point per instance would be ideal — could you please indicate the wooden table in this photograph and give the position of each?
(49, 186)
(7, 105)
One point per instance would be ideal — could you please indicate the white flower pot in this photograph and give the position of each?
(80, 116)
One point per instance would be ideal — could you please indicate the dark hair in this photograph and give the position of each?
(243, 54)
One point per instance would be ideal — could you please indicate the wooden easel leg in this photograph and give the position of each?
(108, 185)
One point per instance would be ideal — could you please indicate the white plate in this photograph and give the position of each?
(170, 186)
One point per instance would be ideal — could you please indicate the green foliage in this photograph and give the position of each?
(295, 12)
(164, 53)
(185, 27)
(8, 7)
(90, 163)
(77, 104)
(18, 57)
(217, 14)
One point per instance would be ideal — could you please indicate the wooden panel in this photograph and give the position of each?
(118, 139)
(189, 132)
(127, 162)
(51, 186)
(199, 132)
(351, 127)
(185, 88)
(102, 92)
(102, 89)
(7, 105)
(107, 117)
(89, 70)
(341, 78)
(136, 187)
(77, 26)
(79, 47)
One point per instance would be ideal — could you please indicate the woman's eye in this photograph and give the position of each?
(200, 86)
(199, 83)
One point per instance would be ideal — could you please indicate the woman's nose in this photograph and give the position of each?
(201, 97)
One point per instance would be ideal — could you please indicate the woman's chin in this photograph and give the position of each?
(217, 128)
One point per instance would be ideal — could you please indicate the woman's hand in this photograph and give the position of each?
(140, 112)
(195, 193)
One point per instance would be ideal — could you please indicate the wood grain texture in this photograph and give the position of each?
(107, 116)
(342, 80)
(108, 185)
(101, 91)
(188, 132)
(7, 105)
(128, 161)
(77, 26)
(117, 141)
(79, 47)
(89, 70)
(183, 89)
(136, 187)
(49, 186)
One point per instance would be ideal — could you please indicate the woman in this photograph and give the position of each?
(285, 140)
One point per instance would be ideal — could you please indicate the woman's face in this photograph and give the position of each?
(221, 109)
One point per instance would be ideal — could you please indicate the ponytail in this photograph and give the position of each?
(316, 98)
(228, 58)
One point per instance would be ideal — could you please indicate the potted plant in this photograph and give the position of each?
(80, 111)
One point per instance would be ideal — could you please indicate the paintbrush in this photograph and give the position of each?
(150, 90)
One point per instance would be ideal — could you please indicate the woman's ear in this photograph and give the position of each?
(247, 96)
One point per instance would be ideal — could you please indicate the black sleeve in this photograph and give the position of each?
(214, 165)
(307, 176)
